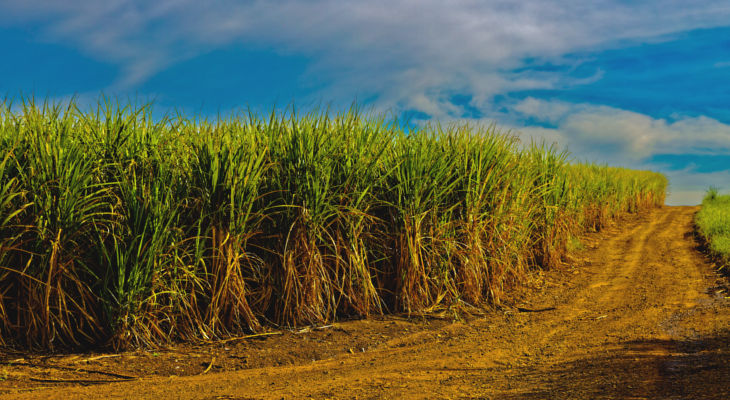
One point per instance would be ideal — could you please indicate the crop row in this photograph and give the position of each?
(120, 228)
(713, 224)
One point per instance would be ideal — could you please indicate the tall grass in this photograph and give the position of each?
(120, 228)
(713, 224)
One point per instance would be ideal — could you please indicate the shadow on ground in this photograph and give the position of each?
(658, 369)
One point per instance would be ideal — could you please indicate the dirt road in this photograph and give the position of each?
(639, 314)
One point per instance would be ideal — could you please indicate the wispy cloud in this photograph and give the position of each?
(407, 54)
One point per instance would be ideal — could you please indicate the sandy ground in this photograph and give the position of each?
(640, 313)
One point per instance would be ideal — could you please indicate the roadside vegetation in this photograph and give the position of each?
(713, 224)
(123, 229)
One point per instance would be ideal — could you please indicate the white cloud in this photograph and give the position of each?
(408, 53)
(547, 111)
(619, 136)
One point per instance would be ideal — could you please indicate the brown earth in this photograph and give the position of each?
(640, 313)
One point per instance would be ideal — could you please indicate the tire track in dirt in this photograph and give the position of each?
(640, 302)
(641, 319)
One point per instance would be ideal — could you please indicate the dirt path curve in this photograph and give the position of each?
(642, 317)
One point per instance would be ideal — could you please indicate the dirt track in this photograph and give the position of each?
(643, 315)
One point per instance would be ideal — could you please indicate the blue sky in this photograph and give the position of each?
(638, 84)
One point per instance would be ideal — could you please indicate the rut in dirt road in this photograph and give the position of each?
(648, 322)
(642, 316)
